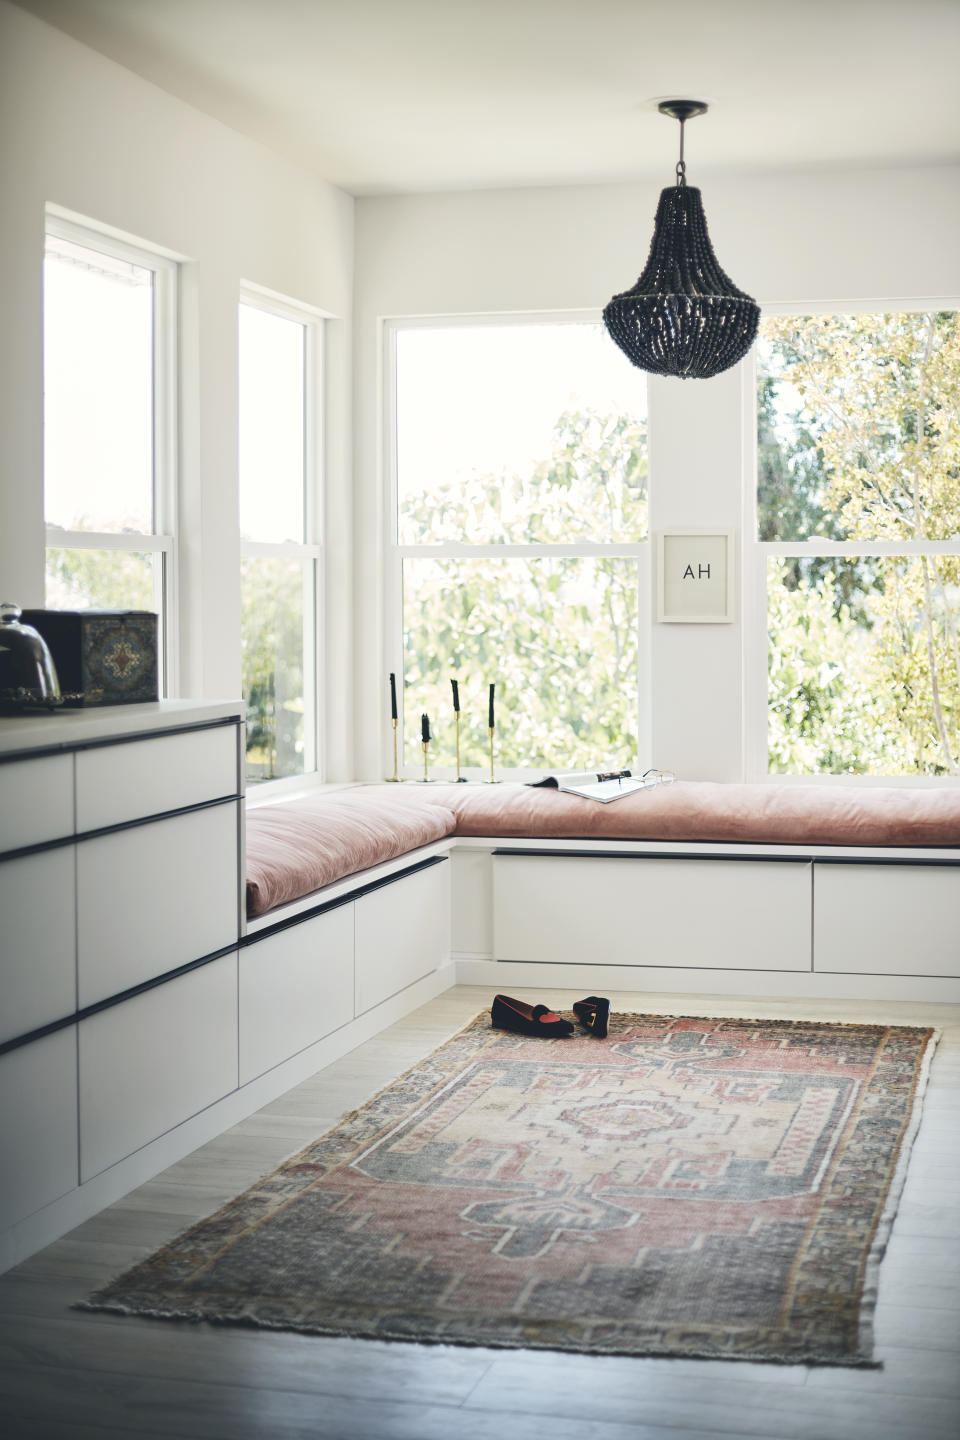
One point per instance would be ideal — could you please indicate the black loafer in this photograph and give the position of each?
(509, 1014)
(593, 1014)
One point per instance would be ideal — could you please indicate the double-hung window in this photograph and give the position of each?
(281, 583)
(109, 379)
(516, 547)
(858, 493)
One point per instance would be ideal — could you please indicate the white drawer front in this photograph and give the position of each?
(887, 919)
(295, 987)
(38, 1124)
(152, 1062)
(38, 967)
(147, 777)
(402, 933)
(154, 897)
(36, 800)
(709, 914)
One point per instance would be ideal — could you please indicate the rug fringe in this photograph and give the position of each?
(245, 1322)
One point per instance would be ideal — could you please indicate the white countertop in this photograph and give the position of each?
(61, 729)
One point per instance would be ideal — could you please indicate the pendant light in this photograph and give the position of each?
(684, 316)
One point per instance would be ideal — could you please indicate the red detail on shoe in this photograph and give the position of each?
(549, 1018)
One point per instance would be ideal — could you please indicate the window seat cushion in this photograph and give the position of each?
(711, 812)
(297, 846)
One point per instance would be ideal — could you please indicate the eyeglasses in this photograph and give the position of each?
(652, 778)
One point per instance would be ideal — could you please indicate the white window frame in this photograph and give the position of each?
(395, 553)
(162, 542)
(756, 553)
(312, 547)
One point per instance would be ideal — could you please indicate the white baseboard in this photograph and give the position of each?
(54, 1220)
(786, 984)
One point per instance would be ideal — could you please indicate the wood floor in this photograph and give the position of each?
(81, 1376)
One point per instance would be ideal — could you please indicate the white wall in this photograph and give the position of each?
(80, 132)
(803, 238)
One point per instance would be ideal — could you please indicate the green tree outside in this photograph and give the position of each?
(859, 440)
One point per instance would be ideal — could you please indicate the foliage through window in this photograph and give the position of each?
(521, 485)
(109, 341)
(859, 447)
(279, 579)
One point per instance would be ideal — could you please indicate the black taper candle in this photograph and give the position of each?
(490, 715)
(425, 728)
(393, 696)
(456, 694)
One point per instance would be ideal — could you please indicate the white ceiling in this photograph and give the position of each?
(393, 96)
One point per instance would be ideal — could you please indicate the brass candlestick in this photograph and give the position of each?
(395, 777)
(491, 780)
(461, 780)
(426, 752)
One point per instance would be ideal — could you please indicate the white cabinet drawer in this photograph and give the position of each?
(887, 919)
(295, 987)
(709, 914)
(36, 800)
(147, 777)
(155, 897)
(38, 966)
(402, 933)
(38, 1124)
(154, 1061)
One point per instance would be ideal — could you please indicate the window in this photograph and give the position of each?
(280, 581)
(109, 427)
(519, 525)
(859, 524)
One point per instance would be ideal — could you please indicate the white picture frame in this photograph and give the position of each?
(695, 577)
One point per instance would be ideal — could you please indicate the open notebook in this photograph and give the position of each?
(595, 785)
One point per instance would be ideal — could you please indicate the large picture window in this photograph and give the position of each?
(519, 524)
(109, 384)
(280, 580)
(859, 528)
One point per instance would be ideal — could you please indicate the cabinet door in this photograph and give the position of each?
(699, 914)
(38, 968)
(38, 1124)
(295, 987)
(402, 933)
(147, 777)
(155, 897)
(152, 1062)
(36, 801)
(887, 919)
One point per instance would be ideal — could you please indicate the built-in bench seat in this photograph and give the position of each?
(820, 890)
(304, 844)
(299, 846)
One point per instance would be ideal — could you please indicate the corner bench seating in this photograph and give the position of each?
(830, 891)
(302, 845)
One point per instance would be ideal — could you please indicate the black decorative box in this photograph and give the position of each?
(104, 657)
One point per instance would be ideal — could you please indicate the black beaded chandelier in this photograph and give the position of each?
(684, 316)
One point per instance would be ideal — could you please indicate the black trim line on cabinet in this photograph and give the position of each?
(67, 747)
(714, 855)
(85, 1012)
(345, 899)
(83, 835)
(652, 855)
(879, 860)
(109, 1001)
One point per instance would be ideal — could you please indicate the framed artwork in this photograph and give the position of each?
(695, 576)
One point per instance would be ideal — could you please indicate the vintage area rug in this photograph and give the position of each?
(687, 1187)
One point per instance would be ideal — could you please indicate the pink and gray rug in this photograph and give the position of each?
(688, 1187)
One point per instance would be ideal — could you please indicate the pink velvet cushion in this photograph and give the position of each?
(299, 846)
(703, 810)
